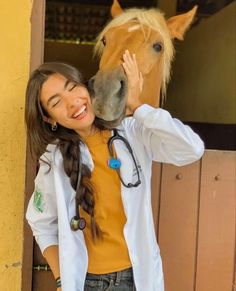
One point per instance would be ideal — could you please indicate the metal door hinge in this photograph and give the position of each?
(41, 267)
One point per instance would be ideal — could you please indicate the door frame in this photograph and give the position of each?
(37, 20)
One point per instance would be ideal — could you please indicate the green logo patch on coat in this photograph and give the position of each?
(38, 201)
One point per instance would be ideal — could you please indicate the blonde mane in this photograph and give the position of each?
(151, 18)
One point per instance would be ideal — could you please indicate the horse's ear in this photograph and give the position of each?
(179, 24)
(116, 9)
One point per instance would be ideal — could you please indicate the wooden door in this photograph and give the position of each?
(216, 232)
(178, 224)
(196, 226)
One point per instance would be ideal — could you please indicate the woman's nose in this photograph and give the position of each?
(72, 101)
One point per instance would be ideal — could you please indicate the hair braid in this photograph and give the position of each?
(85, 194)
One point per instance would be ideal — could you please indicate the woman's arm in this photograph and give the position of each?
(51, 255)
(166, 139)
(41, 212)
(42, 215)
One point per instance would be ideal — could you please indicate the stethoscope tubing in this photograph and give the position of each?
(117, 136)
(78, 222)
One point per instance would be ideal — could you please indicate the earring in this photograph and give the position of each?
(54, 127)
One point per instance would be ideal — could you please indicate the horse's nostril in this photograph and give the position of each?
(122, 88)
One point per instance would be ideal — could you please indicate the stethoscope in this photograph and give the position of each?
(79, 223)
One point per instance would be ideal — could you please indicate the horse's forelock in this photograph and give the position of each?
(152, 18)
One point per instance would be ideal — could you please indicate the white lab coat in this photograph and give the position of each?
(153, 135)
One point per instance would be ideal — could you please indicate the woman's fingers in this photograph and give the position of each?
(126, 68)
(130, 63)
(141, 81)
(135, 79)
(135, 64)
(127, 64)
(135, 82)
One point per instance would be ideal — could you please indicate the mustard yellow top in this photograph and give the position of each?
(109, 254)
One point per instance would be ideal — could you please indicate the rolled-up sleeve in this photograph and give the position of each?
(166, 139)
(41, 212)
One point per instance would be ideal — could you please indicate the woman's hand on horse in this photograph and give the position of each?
(135, 82)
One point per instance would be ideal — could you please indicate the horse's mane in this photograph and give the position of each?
(151, 18)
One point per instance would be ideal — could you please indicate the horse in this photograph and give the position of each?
(149, 35)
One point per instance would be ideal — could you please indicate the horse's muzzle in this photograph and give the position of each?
(108, 91)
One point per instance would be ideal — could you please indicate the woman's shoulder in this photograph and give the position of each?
(126, 123)
(51, 154)
(130, 126)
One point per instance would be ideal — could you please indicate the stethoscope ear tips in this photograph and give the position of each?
(114, 163)
(77, 223)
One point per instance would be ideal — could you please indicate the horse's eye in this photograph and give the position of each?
(103, 40)
(158, 46)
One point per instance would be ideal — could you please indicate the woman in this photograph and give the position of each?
(99, 177)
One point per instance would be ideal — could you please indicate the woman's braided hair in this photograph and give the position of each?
(39, 135)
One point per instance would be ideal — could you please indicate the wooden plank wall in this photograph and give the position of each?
(196, 228)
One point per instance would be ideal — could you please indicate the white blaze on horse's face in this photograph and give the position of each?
(135, 27)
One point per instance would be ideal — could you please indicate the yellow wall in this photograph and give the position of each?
(14, 64)
(203, 86)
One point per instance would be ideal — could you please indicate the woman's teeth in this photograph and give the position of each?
(82, 109)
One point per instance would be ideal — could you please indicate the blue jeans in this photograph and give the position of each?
(117, 281)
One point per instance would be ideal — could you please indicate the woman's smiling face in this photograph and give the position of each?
(68, 104)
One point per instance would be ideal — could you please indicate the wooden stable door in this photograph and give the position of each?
(194, 211)
(196, 225)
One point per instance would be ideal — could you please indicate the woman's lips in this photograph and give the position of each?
(80, 113)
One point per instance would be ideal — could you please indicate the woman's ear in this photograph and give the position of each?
(116, 9)
(49, 120)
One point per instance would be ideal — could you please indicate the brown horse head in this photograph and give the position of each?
(146, 33)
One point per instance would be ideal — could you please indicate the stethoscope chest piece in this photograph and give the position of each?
(77, 223)
(114, 163)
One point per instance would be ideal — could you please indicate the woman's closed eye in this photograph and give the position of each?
(72, 86)
(56, 102)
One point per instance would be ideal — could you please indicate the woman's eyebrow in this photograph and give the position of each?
(56, 95)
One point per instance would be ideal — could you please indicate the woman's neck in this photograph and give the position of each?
(91, 131)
